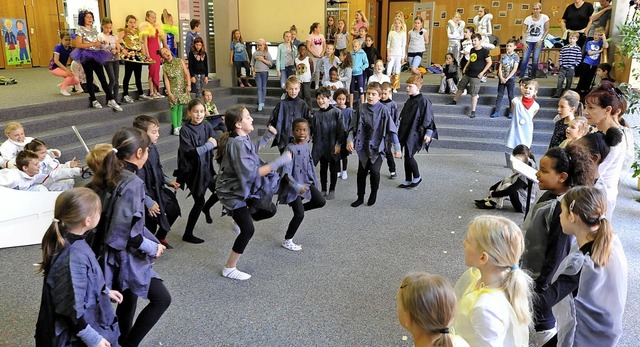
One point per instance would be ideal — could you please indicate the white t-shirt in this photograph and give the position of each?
(382, 79)
(333, 86)
(535, 28)
(396, 43)
(303, 69)
(485, 317)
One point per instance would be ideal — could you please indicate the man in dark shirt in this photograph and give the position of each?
(478, 64)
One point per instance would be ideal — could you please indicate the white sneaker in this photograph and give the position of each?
(176, 131)
(96, 104)
(344, 175)
(483, 79)
(464, 92)
(145, 97)
(79, 89)
(288, 244)
(114, 105)
(235, 274)
(65, 92)
(128, 99)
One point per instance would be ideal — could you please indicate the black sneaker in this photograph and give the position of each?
(473, 114)
(452, 102)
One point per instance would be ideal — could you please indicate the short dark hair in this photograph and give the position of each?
(194, 23)
(143, 122)
(476, 36)
(64, 34)
(24, 157)
(323, 91)
(298, 121)
(605, 67)
(512, 40)
(340, 91)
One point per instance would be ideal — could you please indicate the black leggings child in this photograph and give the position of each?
(131, 334)
(330, 165)
(90, 66)
(372, 169)
(410, 167)
(199, 206)
(317, 201)
(136, 69)
(245, 219)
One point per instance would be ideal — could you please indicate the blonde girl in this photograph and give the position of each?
(345, 71)
(260, 65)
(378, 73)
(418, 41)
(177, 84)
(359, 21)
(327, 62)
(111, 44)
(74, 286)
(589, 289)
(152, 35)
(294, 36)
(577, 128)
(396, 48)
(341, 37)
(569, 107)
(494, 293)
(482, 21)
(285, 62)
(399, 15)
(240, 58)
(132, 54)
(426, 307)
(455, 33)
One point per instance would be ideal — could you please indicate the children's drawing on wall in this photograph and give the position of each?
(16, 41)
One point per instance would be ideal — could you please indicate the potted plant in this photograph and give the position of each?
(629, 48)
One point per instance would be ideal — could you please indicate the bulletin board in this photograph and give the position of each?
(508, 18)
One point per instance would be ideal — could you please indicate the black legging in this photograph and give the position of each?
(90, 66)
(245, 219)
(136, 69)
(391, 161)
(200, 205)
(410, 166)
(330, 165)
(317, 201)
(159, 300)
(372, 169)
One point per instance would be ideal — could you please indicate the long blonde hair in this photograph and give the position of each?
(503, 241)
(364, 18)
(431, 303)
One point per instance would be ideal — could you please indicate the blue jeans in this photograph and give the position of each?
(286, 73)
(531, 46)
(261, 83)
(510, 85)
(199, 85)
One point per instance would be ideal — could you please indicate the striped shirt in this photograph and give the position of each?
(570, 56)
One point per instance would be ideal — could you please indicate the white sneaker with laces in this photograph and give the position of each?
(65, 92)
(288, 244)
(145, 97)
(176, 131)
(235, 274)
(128, 99)
(96, 104)
(114, 105)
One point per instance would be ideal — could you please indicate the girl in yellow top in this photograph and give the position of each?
(494, 294)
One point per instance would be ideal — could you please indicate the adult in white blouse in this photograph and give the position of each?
(482, 21)
(455, 32)
(535, 29)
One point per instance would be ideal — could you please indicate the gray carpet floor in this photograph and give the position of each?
(340, 289)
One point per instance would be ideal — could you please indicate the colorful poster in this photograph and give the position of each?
(16, 41)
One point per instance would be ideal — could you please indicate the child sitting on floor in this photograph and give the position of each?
(27, 176)
(60, 176)
(512, 187)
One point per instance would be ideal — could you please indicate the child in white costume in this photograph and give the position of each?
(494, 295)
(27, 177)
(455, 32)
(482, 21)
(60, 176)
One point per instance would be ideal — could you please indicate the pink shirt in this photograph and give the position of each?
(317, 44)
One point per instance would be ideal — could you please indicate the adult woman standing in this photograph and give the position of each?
(455, 32)
(575, 19)
(152, 34)
(535, 29)
(89, 53)
(360, 21)
(316, 46)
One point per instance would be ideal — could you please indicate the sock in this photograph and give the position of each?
(416, 180)
(406, 183)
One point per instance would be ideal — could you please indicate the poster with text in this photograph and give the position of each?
(16, 41)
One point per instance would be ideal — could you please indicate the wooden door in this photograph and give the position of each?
(45, 22)
(11, 9)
